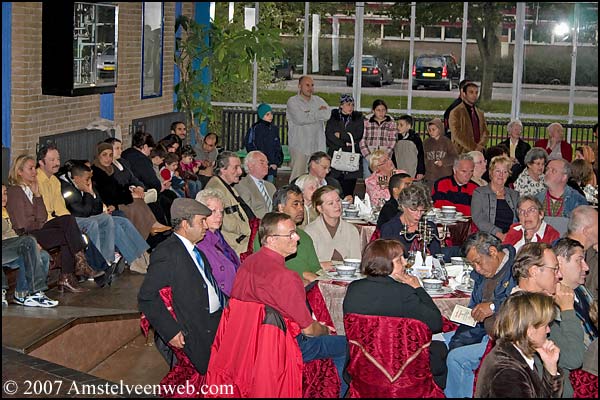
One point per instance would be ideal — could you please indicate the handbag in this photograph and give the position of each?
(344, 160)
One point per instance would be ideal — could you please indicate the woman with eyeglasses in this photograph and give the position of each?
(334, 238)
(494, 207)
(531, 226)
(376, 185)
(531, 180)
(414, 201)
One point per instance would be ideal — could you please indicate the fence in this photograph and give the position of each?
(236, 122)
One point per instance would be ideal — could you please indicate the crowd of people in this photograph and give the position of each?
(216, 231)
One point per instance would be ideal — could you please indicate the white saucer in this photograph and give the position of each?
(464, 289)
(356, 219)
(441, 292)
(336, 277)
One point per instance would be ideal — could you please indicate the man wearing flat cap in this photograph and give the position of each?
(196, 298)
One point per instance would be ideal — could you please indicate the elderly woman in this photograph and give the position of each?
(377, 184)
(389, 291)
(222, 258)
(334, 238)
(480, 167)
(555, 146)
(414, 201)
(308, 184)
(521, 331)
(531, 226)
(494, 207)
(531, 180)
(345, 121)
(517, 147)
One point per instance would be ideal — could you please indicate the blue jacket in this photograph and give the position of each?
(572, 199)
(465, 334)
(266, 139)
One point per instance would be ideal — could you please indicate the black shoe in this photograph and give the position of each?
(108, 276)
(120, 266)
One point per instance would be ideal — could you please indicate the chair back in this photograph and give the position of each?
(392, 351)
(558, 223)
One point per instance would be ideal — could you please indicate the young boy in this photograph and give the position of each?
(168, 174)
(405, 132)
(440, 153)
(264, 136)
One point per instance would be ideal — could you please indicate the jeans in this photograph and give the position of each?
(22, 253)
(366, 169)
(100, 229)
(194, 187)
(461, 362)
(334, 347)
(128, 240)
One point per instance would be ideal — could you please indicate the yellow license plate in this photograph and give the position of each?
(364, 69)
(108, 68)
(429, 74)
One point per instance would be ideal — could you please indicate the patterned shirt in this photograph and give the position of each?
(379, 136)
(526, 185)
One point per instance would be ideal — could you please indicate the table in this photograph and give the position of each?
(334, 293)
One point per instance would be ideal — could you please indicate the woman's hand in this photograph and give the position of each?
(410, 280)
(35, 187)
(549, 353)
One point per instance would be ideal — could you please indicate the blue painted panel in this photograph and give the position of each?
(107, 106)
(6, 71)
(176, 73)
(202, 16)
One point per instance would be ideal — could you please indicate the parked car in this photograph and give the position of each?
(284, 69)
(375, 70)
(106, 63)
(431, 70)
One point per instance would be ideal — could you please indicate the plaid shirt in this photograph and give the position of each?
(379, 136)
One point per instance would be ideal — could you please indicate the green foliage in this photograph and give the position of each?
(216, 61)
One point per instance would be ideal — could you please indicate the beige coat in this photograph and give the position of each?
(346, 240)
(462, 129)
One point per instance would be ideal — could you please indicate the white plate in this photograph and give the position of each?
(351, 219)
(336, 277)
(464, 289)
(442, 292)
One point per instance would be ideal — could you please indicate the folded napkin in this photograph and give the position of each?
(364, 207)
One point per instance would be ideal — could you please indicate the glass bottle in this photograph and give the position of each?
(440, 272)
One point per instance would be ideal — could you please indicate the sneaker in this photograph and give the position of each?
(38, 299)
(4, 302)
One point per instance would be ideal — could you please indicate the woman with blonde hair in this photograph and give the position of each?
(376, 185)
(521, 330)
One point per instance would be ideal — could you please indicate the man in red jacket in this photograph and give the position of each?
(555, 145)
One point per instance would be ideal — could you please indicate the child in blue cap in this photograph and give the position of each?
(263, 135)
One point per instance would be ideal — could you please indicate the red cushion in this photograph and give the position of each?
(585, 385)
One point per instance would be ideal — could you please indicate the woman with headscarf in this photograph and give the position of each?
(123, 195)
(344, 121)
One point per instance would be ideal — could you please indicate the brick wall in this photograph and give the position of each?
(34, 114)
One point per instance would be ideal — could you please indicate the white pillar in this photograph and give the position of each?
(358, 50)
(574, 30)
(316, 32)
(306, 25)
(422, 36)
(463, 45)
(335, 44)
(518, 62)
(411, 54)
(382, 34)
(231, 11)
(255, 66)
(443, 33)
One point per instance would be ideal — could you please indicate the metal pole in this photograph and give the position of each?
(575, 31)
(335, 44)
(255, 65)
(463, 45)
(358, 50)
(518, 62)
(316, 33)
(306, 24)
(413, 17)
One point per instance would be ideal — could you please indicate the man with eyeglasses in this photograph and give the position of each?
(319, 165)
(583, 227)
(531, 226)
(537, 270)
(263, 278)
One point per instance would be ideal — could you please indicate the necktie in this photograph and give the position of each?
(265, 195)
(475, 122)
(209, 277)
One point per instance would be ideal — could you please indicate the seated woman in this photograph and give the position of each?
(531, 180)
(308, 184)
(334, 238)
(28, 215)
(414, 201)
(222, 258)
(389, 291)
(122, 194)
(531, 226)
(377, 184)
(494, 207)
(582, 175)
(24, 253)
(521, 330)
(480, 168)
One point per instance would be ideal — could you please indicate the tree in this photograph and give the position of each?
(216, 60)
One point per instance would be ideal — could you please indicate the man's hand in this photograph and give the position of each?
(323, 107)
(316, 329)
(178, 341)
(309, 276)
(564, 297)
(482, 311)
(326, 265)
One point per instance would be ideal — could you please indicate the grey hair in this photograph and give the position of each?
(207, 194)
(553, 125)
(481, 242)
(536, 153)
(582, 217)
(250, 158)
(415, 195)
(513, 122)
(476, 153)
(566, 166)
(306, 179)
(463, 157)
(222, 161)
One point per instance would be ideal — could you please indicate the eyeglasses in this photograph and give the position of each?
(289, 235)
(325, 167)
(554, 269)
(416, 210)
(530, 210)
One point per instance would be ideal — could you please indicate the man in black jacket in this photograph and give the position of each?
(197, 300)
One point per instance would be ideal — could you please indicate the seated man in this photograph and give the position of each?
(492, 274)
(263, 278)
(288, 200)
(583, 227)
(457, 189)
(256, 191)
(391, 207)
(559, 199)
(319, 165)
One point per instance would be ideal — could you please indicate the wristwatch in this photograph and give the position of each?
(493, 307)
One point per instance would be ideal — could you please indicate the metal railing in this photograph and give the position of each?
(236, 122)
